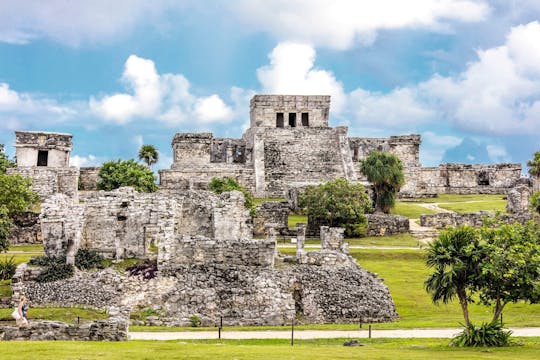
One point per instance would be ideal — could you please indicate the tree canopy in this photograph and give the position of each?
(337, 203)
(385, 172)
(115, 174)
(148, 154)
(498, 263)
(534, 165)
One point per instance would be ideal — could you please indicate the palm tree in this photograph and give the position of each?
(454, 257)
(148, 154)
(385, 172)
(534, 165)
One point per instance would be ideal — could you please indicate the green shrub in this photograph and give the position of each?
(7, 268)
(491, 334)
(195, 321)
(115, 174)
(47, 260)
(535, 201)
(88, 259)
(55, 271)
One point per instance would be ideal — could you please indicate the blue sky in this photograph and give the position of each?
(465, 74)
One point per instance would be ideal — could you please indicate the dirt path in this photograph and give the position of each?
(313, 334)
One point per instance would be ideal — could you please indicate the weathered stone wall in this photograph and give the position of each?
(442, 220)
(384, 225)
(284, 157)
(47, 181)
(467, 179)
(185, 252)
(124, 223)
(276, 213)
(25, 229)
(88, 178)
(29, 143)
(113, 329)
(519, 196)
(264, 110)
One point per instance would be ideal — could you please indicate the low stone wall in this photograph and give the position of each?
(47, 181)
(274, 213)
(384, 225)
(442, 220)
(113, 329)
(188, 251)
(88, 178)
(25, 229)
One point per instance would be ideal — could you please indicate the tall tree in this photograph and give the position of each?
(385, 172)
(454, 258)
(148, 154)
(534, 165)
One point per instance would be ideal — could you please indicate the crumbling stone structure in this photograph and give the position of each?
(25, 229)
(519, 196)
(44, 157)
(275, 213)
(113, 329)
(208, 263)
(88, 178)
(385, 225)
(290, 144)
(477, 219)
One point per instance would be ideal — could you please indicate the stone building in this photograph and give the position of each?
(44, 157)
(290, 144)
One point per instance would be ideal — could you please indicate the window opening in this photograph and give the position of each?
(292, 119)
(279, 120)
(43, 158)
(305, 119)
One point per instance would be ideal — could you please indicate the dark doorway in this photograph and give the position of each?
(279, 120)
(305, 119)
(292, 119)
(483, 178)
(42, 158)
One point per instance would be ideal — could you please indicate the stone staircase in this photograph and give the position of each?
(422, 233)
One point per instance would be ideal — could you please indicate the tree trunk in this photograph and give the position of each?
(498, 310)
(462, 296)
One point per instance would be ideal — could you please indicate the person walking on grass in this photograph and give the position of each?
(22, 308)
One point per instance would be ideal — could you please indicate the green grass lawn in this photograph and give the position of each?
(34, 248)
(68, 315)
(393, 240)
(296, 218)
(404, 272)
(410, 210)
(259, 201)
(17, 258)
(491, 205)
(420, 349)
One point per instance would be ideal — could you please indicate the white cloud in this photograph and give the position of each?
(138, 140)
(497, 94)
(164, 97)
(498, 153)
(434, 146)
(398, 109)
(18, 108)
(212, 108)
(339, 23)
(291, 71)
(81, 161)
(164, 161)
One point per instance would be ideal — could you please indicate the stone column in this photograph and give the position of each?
(271, 234)
(331, 238)
(300, 240)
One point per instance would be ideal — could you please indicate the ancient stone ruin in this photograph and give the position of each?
(290, 144)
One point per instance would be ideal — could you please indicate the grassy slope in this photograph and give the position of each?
(490, 205)
(404, 272)
(262, 349)
(445, 198)
(410, 210)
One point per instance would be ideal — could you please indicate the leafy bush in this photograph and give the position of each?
(55, 271)
(491, 334)
(115, 174)
(7, 268)
(221, 185)
(5, 224)
(47, 260)
(146, 268)
(195, 321)
(337, 203)
(88, 259)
